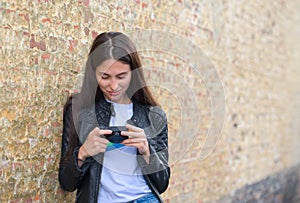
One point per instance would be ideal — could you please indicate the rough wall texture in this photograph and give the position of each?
(253, 45)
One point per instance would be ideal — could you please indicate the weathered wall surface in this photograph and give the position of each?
(253, 46)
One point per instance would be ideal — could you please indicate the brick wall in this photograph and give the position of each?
(215, 65)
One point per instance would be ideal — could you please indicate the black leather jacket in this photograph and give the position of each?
(86, 179)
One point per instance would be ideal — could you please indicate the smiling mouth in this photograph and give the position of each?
(113, 93)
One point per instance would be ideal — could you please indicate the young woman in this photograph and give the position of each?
(114, 93)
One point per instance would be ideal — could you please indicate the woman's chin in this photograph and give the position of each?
(114, 99)
(117, 98)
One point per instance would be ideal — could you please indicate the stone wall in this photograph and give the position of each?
(214, 65)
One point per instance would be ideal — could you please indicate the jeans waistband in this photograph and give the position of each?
(149, 198)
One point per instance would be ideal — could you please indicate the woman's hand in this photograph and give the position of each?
(94, 144)
(137, 138)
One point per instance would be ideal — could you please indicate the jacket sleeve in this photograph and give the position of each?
(158, 170)
(70, 174)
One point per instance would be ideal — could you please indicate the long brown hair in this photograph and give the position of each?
(108, 45)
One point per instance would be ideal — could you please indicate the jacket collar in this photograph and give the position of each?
(103, 112)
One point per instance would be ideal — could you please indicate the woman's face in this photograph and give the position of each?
(114, 78)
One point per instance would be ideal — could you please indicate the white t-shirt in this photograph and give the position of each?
(121, 178)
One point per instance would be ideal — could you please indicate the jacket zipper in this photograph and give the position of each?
(153, 189)
(147, 179)
(99, 168)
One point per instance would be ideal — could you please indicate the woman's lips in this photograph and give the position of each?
(113, 93)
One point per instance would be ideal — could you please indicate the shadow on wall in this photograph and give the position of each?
(282, 187)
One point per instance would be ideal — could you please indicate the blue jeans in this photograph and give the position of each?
(150, 198)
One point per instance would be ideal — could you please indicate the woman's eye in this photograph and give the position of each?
(121, 76)
(104, 77)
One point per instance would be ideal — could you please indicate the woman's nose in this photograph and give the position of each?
(113, 84)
